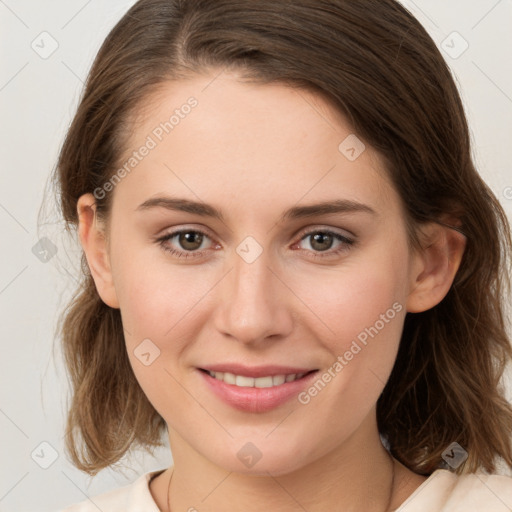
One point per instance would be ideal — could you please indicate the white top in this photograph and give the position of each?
(443, 491)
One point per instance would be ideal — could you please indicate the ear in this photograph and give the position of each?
(434, 266)
(94, 243)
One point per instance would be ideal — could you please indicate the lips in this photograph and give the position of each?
(255, 389)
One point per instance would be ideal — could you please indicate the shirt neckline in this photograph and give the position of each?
(153, 474)
(421, 487)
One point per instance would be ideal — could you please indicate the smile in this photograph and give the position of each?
(255, 382)
(256, 393)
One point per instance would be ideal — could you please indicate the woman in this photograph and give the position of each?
(291, 266)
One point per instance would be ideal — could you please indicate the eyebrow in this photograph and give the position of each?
(296, 212)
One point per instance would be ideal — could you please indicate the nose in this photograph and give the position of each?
(254, 304)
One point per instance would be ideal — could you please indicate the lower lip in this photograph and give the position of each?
(256, 399)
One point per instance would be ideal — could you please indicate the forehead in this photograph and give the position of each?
(216, 136)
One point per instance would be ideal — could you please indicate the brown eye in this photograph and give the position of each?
(321, 241)
(187, 243)
(190, 240)
(325, 243)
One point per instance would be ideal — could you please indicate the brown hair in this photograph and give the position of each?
(375, 63)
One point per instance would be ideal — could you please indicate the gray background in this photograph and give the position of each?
(38, 97)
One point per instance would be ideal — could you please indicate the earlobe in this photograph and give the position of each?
(94, 243)
(434, 267)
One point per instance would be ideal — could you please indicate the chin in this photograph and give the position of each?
(259, 457)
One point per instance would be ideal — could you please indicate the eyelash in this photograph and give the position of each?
(347, 243)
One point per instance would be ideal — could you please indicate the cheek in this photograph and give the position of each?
(363, 306)
(159, 306)
(155, 296)
(357, 297)
(368, 310)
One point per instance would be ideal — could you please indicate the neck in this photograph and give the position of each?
(359, 475)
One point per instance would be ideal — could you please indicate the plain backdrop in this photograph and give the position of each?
(46, 51)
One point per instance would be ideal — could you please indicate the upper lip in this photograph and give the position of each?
(255, 371)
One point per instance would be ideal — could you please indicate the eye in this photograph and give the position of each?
(186, 243)
(193, 243)
(322, 241)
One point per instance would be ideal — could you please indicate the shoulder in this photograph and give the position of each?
(133, 497)
(445, 491)
(483, 492)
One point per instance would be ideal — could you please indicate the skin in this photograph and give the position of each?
(253, 151)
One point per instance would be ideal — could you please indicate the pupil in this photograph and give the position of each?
(321, 238)
(191, 240)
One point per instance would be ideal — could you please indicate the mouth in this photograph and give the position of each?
(256, 389)
(267, 381)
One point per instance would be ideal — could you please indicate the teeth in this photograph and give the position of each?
(244, 382)
(264, 382)
(277, 380)
(252, 382)
(228, 378)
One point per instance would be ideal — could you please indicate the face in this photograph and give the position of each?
(233, 267)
